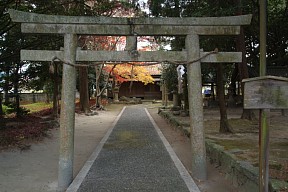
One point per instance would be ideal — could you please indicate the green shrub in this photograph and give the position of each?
(11, 108)
(6, 109)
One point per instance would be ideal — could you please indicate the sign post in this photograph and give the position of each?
(265, 93)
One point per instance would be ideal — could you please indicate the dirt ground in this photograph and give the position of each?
(35, 169)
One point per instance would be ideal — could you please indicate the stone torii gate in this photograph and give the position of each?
(71, 26)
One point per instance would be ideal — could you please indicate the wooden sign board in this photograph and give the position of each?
(267, 92)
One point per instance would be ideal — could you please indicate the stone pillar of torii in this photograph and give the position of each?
(71, 26)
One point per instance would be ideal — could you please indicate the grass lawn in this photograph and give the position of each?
(35, 107)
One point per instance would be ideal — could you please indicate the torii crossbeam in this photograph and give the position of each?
(71, 26)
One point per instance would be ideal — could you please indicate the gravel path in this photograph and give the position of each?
(133, 158)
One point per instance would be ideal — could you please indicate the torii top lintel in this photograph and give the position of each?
(41, 23)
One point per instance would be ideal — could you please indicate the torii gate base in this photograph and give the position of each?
(131, 27)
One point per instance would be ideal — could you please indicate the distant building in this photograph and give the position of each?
(139, 90)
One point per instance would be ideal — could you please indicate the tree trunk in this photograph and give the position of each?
(83, 89)
(185, 91)
(97, 83)
(6, 87)
(47, 97)
(243, 72)
(16, 90)
(55, 80)
(18, 112)
(242, 67)
(234, 80)
(17, 99)
(224, 124)
(1, 109)
(98, 101)
(99, 92)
